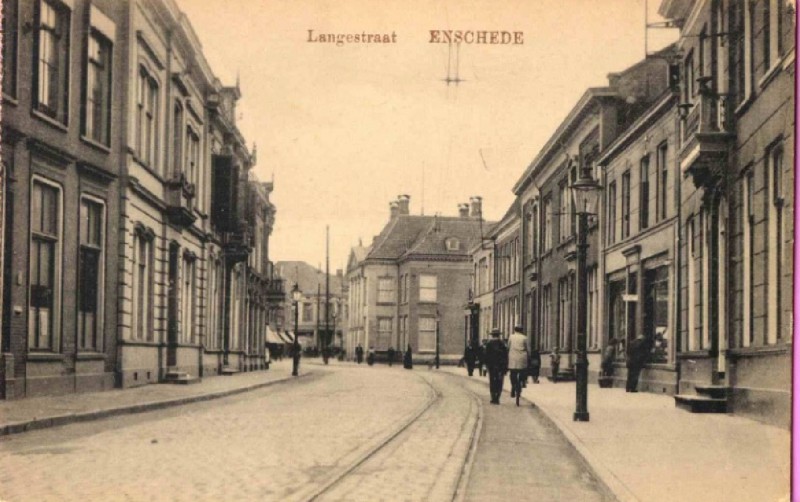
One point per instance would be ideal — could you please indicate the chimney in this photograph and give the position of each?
(402, 203)
(463, 210)
(475, 206)
(393, 209)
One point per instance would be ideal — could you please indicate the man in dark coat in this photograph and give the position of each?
(469, 358)
(390, 355)
(407, 362)
(496, 359)
(535, 365)
(638, 352)
(359, 353)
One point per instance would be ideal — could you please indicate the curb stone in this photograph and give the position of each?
(86, 416)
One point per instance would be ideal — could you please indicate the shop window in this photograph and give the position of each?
(90, 275)
(45, 273)
(427, 334)
(656, 312)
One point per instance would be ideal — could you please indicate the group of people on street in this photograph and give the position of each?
(391, 355)
(515, 356)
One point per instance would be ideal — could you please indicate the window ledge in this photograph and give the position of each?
(385, 304)
(788, 59)
(49, 120)
(44, 356)
(10, 100)
(94, 144)
(769, 76)
(90, 356)
(765, 350)
(744, 105)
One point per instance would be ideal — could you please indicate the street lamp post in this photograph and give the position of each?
(296, 296)
(333, 315)
(436, 360)
(585, 192)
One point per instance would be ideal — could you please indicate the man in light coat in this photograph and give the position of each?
(518, 354)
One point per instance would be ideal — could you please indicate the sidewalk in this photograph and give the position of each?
(645, 449)
(40, 412)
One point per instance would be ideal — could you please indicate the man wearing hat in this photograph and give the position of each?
(496, 359)
(518, 354)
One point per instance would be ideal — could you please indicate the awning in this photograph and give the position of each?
(287, 336)
(273, 337)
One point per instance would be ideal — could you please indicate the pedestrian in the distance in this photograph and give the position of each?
(371, 356)
(469, 358)
(638, 352)
(496, 359)
(407, 363)
(480, 353)
(518, 354)
(390, 355)
(555, 362)
(535, 365)
(609, 354)
(359, 353)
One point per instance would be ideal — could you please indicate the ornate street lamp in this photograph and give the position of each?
(297, 295)
(585, 193)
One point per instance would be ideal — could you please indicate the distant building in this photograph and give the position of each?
(483, 286)
(413, 280)
(312, 329)
(507, 270)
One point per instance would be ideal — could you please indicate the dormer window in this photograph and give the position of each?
(452, 244)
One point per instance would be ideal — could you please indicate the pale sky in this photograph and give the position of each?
(346, 129)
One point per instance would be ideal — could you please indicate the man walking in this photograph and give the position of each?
(469, 358)
(496, 358)
(518, 354)
(390, 355)
(359, 353)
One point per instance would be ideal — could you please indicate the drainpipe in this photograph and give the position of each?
(678, 261)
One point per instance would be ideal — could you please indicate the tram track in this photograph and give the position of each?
(452, 415)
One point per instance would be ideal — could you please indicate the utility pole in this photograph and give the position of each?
(327, 293)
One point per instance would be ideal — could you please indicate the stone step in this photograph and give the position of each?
(701, 404)
(180, 377)
(715, 391)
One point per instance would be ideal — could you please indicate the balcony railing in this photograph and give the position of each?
(710, 114)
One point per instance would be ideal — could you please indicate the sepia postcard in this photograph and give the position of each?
(418, 250)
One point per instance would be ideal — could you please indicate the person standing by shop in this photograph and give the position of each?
(638, 352)
(390, 355)
(555, 363)
(535, 366)
(518, 354)
(496, 358)
(407, 362)
(359, 353)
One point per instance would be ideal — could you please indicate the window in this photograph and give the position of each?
(774, 181)
(748, 219)
(452, 244)
(51, 80)
(592, 333)
(45, 262)
(656, 312)
(188, 295)
(177, 139)
(534, 231)
(384, 340)
(427, 288)
(626, 204)
(308, 312)
(143, 285)
(772, 32)
(192, 164)
(689, 82)
(662, 173)
(427, 334)
(97, 112)
(385, 290)
(146, 118)
(644, 192)
(744, 39)
(547, 329)
(612, 212)
(10, 38)
(547, 231)
(90, 275)
(564, 225)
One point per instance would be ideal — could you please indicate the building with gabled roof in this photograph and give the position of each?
(412, 281)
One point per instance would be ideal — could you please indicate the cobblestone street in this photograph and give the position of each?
(343, 433)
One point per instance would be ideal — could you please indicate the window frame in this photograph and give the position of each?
(431, 332)
(644, 192)
(103, 42)
(63, 18)
(423, 298)
(10, 41)
(100, 249)
(54, 337)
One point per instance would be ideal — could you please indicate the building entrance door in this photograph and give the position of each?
(172, 306)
